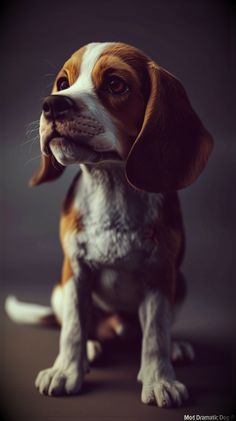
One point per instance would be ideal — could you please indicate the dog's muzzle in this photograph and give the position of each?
(79, 126)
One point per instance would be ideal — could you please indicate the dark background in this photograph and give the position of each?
(194, 40)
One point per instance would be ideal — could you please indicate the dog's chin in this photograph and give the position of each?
(67, 152)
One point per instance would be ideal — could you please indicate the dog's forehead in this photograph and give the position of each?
(84, 59)
(87, 56)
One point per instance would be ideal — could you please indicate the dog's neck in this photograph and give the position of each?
(105, 173)
(105, 188)
(108, 165)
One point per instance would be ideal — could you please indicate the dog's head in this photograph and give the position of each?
(112, 102)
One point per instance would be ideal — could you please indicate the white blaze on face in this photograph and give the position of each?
(82, 91)
(84, 82)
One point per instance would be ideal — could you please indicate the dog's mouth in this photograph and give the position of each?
(67, 150)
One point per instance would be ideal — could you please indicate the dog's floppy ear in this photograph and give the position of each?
(49, 170)
(172, 147)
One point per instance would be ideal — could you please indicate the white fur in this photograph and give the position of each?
(66, 374)
(57, 302)
(94, 350)
(22, 312)
(157, 375)
(84, 82)
(105, 239)
(71, 330)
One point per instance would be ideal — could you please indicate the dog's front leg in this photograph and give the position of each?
(66, 375)
(159, 384)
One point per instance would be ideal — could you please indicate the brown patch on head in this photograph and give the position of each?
(128, 109)
(71, 68)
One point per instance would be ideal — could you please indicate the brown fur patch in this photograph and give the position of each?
(66, 272)
(127, 110)
(71, 68)
(70, 221)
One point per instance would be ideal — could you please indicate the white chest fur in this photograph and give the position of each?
(115, 237)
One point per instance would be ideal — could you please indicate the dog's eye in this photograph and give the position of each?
(117, 86)
(62, 83)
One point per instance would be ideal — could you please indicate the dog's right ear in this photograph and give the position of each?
(173, 146)
(49, 170)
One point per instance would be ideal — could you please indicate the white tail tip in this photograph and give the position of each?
(26, 313)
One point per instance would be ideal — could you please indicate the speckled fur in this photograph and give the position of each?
(116, 234)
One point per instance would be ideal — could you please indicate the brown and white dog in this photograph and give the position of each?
(129, 125)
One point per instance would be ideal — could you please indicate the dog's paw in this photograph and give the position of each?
(182, 351)
(58, 382)
(165, 393)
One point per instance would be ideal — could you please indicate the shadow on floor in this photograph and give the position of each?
(111, 391)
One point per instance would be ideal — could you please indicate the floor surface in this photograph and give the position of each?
(111, 392)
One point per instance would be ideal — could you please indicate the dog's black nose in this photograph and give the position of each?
(56, 106)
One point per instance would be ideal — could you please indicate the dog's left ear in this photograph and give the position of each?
(173, 146)
(49, 170)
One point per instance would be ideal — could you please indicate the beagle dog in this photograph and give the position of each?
(129, 125)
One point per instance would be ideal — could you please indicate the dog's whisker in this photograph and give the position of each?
(32, 125)
(32, 144)
(31, 129)
(31, 140)
(27, 142)
(32, 133)
(33, 122)
(32, 137)
(32, 159)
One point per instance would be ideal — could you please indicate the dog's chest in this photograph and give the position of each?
(116, 221)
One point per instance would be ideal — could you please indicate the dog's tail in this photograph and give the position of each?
(31, 314)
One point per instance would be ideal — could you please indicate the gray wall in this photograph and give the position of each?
(189, 38)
